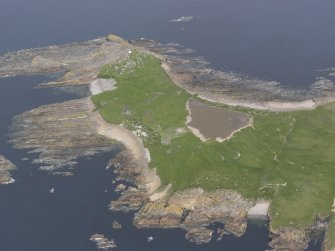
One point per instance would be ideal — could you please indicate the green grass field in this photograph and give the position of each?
(287, 157)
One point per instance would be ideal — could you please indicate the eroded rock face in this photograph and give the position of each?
(5, 167)
(194, 208)
(129, 201)
(129, 170)
(199, 235)
(289, 238)
(157, 214)
(222, 205)
(60, 133)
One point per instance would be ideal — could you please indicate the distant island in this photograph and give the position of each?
(193, 158)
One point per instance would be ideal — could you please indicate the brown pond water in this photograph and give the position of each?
(214, 122)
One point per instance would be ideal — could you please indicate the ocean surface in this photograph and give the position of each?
(291, 42)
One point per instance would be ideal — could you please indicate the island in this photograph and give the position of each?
(193, 154)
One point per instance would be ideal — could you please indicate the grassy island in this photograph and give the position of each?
(287, 157)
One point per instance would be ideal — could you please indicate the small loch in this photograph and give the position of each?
(210, 122)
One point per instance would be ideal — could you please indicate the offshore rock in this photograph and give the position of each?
(199, 235)
(102, 242)
(5, 167)
(116, 225)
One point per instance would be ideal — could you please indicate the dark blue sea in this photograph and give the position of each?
(291, 42)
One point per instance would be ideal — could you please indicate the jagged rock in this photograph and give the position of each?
(102, 242)
(236, 224)
(116, 225)
(221, 232)
(222, 205)
(199, 235)
(157, 214)
(130, 200)
(5, 167)
(120, 188)
(289, 238)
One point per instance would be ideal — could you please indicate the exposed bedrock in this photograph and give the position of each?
(188, 209)
(5, 167)
(79, 61)
(193, 74)
(59, 133)
(199, 235)
(193, 208)
(329, 239)
(295, 238)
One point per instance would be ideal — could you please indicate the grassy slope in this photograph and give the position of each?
(300, 180)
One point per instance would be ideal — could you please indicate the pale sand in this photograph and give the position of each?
(259, 105)
(260, 210)
(151, 181)
(161, 194)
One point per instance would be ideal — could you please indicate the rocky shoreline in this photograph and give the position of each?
(193, 74)
(42, 128)
(83, 133)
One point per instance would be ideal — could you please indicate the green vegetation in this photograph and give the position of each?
(287, 157)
